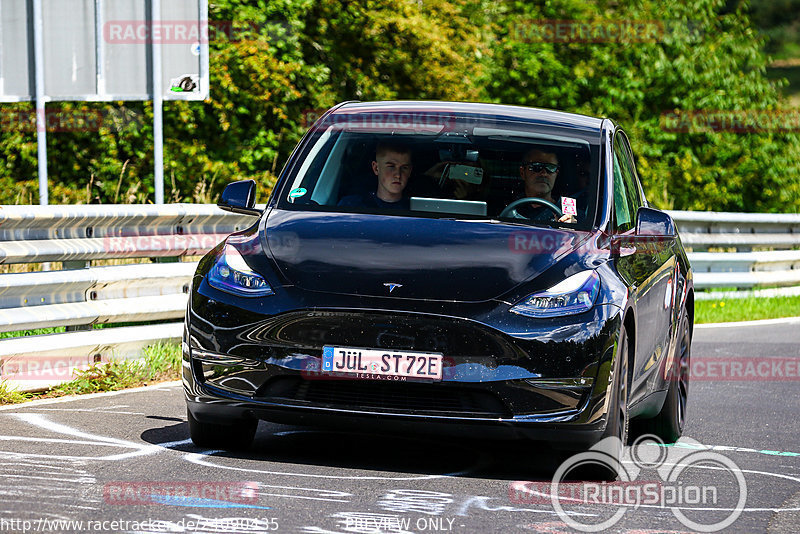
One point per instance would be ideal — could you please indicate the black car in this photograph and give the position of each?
(449, 267)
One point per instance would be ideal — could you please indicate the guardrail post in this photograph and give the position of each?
(77, 264)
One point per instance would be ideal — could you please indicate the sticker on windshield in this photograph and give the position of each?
(568, 206)
(297, 193)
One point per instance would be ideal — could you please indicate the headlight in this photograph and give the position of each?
(575, 294)
(231, 274)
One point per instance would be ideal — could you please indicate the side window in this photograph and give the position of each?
(636, 182)
(625, 193)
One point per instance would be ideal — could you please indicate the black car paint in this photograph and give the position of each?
(276, 335)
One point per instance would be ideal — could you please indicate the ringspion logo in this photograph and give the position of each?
(674, 488)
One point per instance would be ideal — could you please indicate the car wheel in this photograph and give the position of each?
(668, 424)
(604, 460)
(618, 419)
(234, 436)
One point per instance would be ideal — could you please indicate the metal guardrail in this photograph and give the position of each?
(31, 234)
(81, 295)
(737, 234)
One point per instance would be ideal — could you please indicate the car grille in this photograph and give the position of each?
(456, 338)
(433, 399)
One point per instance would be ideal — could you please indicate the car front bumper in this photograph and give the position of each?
(505, 376)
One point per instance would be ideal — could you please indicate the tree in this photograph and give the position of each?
(286, 60)
(700, 61)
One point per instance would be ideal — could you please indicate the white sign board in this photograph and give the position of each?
(102, 50)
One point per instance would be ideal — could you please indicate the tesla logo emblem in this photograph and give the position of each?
(392, 286)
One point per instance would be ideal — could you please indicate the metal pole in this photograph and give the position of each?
(204, 44)
(158, 103)
(100, 50)
(2, 82)
(41, 120)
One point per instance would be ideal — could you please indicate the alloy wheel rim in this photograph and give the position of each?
(623, 393)
(683, 376)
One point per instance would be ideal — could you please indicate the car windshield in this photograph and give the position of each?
(437, 164)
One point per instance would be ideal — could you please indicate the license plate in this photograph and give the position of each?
(381, 364)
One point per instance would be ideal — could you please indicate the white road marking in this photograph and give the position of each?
(57, 440)
(164, 386)
(93, 410)
(199, 459)
(762, 322)
(483, 503)
(40, 421)
(323, 494)
(85, 480)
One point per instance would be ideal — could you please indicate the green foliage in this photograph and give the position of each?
(159, 362)
(9, 395)
(287, 60)
(779, 22)
(382, 49)
(702, 61)
(724, 310)
(34, 332)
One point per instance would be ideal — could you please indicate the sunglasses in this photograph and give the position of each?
(539, 167)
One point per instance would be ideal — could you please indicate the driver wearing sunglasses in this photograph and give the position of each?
(539, 170)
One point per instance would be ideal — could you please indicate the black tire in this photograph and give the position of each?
(668, 424)
(618, 423)
(235, 436)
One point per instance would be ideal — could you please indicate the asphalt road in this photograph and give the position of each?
(122, 462)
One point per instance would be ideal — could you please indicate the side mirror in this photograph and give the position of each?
(653, 222)
(240, 197)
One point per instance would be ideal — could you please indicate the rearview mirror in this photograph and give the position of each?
(654, 222)
(240, 197)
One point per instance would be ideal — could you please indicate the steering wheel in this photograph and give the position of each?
(511, 209)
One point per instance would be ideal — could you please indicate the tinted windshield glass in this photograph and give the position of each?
(445, 165)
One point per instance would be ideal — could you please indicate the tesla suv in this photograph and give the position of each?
(449, 267)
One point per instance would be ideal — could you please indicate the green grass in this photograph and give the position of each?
(160, 362)
(9, 396)
(724, 310)
(36, 332)
(61, 329)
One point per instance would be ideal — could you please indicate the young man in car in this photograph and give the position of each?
(392, 166)
(539, 170)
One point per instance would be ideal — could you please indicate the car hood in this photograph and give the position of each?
(424, 258)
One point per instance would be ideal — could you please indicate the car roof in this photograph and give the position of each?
(498, 111)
